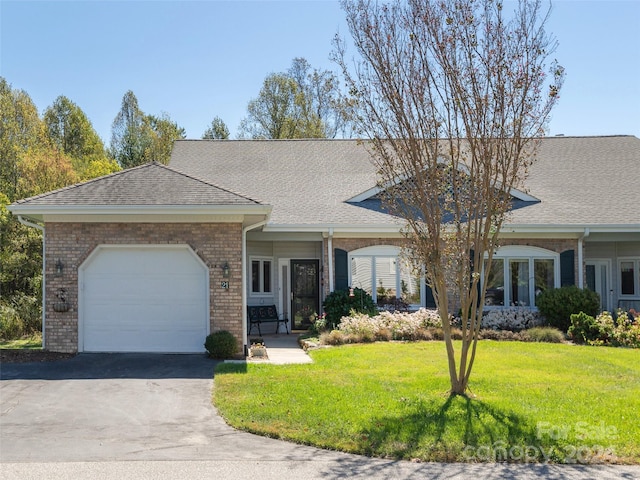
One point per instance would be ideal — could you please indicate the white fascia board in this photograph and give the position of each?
(372, 192)
(101, 212)
(338, 229)
(576, 229)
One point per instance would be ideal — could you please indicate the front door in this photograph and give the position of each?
(305, 292)
(598, 279)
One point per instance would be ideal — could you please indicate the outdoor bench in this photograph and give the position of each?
(259, 314)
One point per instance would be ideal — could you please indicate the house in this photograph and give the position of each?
(156, 257)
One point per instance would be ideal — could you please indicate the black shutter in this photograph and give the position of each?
(341, 269)
(567, 268)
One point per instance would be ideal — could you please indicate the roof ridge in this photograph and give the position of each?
(335, 140)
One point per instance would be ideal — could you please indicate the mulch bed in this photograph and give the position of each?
(26, 355)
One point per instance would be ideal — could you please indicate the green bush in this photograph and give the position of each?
(340, 304)
(584, 328)
(221, 345)
(21, 315)
(542, 334)
(558, 304)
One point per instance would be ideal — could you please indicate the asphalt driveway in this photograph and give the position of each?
(150, 416)
(103, 407)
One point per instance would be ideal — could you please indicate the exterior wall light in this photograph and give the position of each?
(226, 270)
(59, 267)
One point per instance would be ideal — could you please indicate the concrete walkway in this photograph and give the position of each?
(284, 349)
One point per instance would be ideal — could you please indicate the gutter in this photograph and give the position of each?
(580, 259)
(244, 282)
(330, 258)
(44, 278)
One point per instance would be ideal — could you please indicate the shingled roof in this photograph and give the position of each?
(580, 181)
(152, 184)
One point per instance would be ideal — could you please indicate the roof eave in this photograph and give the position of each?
(41, 212)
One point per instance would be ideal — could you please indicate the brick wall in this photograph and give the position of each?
(72, 243)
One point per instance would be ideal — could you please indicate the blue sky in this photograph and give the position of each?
(200, 59)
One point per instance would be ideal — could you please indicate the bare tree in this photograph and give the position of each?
(452, 95)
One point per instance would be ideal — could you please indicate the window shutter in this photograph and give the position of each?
(431, 302)
(567, 268)
(341, 266)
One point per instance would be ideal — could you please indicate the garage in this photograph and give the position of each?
(147, 298)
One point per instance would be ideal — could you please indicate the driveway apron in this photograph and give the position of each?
(102, 407)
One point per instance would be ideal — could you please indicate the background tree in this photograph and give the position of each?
(164, 132)
(301, 103)
(131, 136)
(280, 111)
(20, 129)
(137, 138)
(216, 131)
(321, 89)
(71, 132)
(452, 95)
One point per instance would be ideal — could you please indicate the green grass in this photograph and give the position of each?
(531, 401)
(33, 342)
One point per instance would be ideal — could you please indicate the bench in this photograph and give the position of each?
(259, 314)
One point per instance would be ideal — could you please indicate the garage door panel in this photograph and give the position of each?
(144, 300)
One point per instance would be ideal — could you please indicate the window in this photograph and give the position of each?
(260, 276)
(382, 273)
(630, 277)
(519, 274)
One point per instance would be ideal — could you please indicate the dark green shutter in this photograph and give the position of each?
(341, 269)
(431, 302)
(567, 268)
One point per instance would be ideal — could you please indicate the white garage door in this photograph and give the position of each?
(143, 299)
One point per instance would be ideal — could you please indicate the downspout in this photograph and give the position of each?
(44, 264)
(580, 259)
(330, 258)
(244, 282)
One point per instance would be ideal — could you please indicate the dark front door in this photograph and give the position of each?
(305, 293)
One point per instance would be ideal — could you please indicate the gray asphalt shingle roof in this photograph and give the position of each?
(152, 184)
(578, 180)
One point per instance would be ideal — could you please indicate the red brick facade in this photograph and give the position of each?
(72, 243)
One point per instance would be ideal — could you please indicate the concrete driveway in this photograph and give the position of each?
(150, 416)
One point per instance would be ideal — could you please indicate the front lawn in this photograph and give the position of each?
(532, 402)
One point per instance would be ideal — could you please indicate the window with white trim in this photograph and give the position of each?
(629, 276)
(383, 273)
(261, 275)
(519, 274)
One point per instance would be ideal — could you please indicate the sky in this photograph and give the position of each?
(196, 60)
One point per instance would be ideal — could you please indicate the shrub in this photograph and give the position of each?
(511, 319)
(542, 334)
(584, 328)
(339, 304)
(334, 337)
(502, 335)
(318, 325)
(221, 345)
(20, 315)
(627, 329)
(396, 326)
(558, 304)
